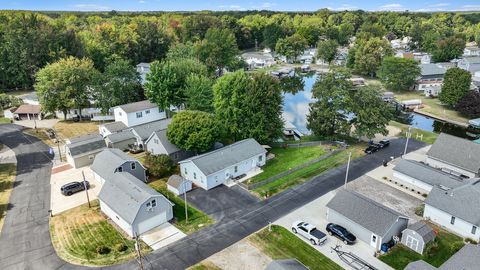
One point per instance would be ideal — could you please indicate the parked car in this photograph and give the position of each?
(372, 149)
(310, 232)
(341, 233)
(384, 143)
(73, 187)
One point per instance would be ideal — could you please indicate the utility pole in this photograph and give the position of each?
(185, 198)
(86, 189)
(58, 145)
(139, 254)
(409, 133)
(348, 167)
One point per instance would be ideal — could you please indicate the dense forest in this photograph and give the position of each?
(31, 40)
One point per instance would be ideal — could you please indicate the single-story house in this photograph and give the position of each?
(82, 150)
(214, 168)
(457, 210)
(417, 236)
(258, 59)
(158, 143)
(430, 75)
(465, 259)
(111, 161)
(138, 113)
(28, 112)
(432, 91)
(123, 140)
(90, 113)
(422, 57)
(286, 264)
(133, 205)
(370, 221)
(471, 51)
(423, 178)
(110, 128)
(470, 64)
(142, 132)
(178, 185)
(455, 155)
(9, 113)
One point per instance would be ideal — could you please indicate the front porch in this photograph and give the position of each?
(253, 172)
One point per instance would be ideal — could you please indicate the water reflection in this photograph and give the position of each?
(433, 125)
(296, 105)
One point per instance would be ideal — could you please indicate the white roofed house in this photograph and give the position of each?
(137, 113)
(158, 143)
(216, 167)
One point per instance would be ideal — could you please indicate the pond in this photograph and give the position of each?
(430, 124)
(296, 106)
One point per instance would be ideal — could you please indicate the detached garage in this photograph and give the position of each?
(133, 205)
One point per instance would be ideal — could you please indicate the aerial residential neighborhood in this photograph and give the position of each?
(209, 135)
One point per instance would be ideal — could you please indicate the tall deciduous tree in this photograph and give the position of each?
(291, 47)
(271, 34)
(456, 85)
(67, 84)
(369, 55)
(327, 50)
(469, 105)
(199, 93)
(398, 74)
(448, 48)
(218, 49)
(193, 130)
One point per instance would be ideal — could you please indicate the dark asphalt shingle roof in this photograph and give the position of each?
(424, 230)
(145, 130)
(462, 202)
(287, 264)
(367, 213)
(110, 159)
(419, 265)
(169, 147)
(456, 151)
(427, 174)
(120, 136)
(137, 106)
(115, 126)
(229, 155)
(467, 258)
(86, 144)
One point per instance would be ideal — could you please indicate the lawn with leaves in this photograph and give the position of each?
(70, 129)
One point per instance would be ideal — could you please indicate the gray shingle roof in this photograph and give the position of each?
(456, 151)
(472, 60)
(115, 126)
(88, 144)
(120, 136)
(137, 106)
(288, 264)
(145, 130)
(424, 230)
(462, 202)
(108, 160)
(431, 69)
(83, 138)
(169, 147)
(427, 174)
(175, 181)
(369, 214)
(229, 155)
(125, 194)
(420, 265)
(467, 258)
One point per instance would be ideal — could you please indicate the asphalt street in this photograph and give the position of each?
(25, 240)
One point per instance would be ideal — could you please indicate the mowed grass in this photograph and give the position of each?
(436, 253)
(41, 134)
(205, 266)
(418, 134)
(196, 218)
(308, 172)
(7, 178)
(432, 106)
(4, 120)
(282, 244)
(78, 232)
(70, 129)
(288, 158)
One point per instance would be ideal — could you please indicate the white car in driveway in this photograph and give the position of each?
(310, 232)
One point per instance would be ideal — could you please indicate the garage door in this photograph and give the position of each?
(152, 222)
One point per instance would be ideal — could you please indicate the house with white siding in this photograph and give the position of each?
(111, 161)
(470, 64)
(214, 168)
(110, 128)
(431, 75)
(455, 155)
(138, 113)
(370, 221)
(158, 144)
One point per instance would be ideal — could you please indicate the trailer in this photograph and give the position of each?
(353, 260)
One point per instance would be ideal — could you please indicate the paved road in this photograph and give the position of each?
(25, 240)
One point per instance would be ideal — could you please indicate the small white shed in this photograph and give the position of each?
(417, 236)
(178, 185)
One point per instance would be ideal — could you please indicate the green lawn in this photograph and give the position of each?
(7, 177)
(4, 120)
(308, 172)
(282, 244)
(205, 266)
(288, 158)
(432, 106)
(196, 218)
(428, 137)
(436, 253)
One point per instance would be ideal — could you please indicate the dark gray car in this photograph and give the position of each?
(73, 187)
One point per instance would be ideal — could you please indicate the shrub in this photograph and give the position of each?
(121, 247)
(159, 165)
(424, 195)
(457, 246)
(419, 210)
(102, 250)
(432, 249)
(471, 241)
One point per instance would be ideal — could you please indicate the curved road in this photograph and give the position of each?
(25, 239)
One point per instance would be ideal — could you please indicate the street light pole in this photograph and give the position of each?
(86, 189)
(348, 167)
(409, 133)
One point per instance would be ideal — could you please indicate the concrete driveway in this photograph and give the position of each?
(162, 235)
(315, 213)
(59, 202)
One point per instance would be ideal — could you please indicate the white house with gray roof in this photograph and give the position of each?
(214, 168)
(82, 150)
(423, 178)
(455, 155)
(122, 140)
(134, 206)
(158, 144)
(457, 210)
(142, 132)
(111, 161)
(370, 221)
(110, 128)
(467, 258)
(470, 64)
(431, 75)
(138, 113)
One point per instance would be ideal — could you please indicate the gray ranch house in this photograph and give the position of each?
(82, 150)
(368, 220)
(111, 161)
(158, 143)
(214, 168)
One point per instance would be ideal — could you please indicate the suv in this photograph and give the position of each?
(73, 187)
(341, 233)
(372, 149)
(384, 143)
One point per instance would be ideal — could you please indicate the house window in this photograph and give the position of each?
(147, 111)
(120, 113)
(139, 115)
(452, 220)
(374, 238)
(148, 204)
(155, 141)
(474, 229)
(185, 171)
(134, 165)
(236, 169)
(154, 203)
(260, 158)
(160, 110)
(194, 175)
(119, 169)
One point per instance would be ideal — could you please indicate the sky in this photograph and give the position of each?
(277, 5)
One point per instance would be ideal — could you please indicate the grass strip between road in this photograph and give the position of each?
(418, 134)
(7, 178)
(282, 244)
